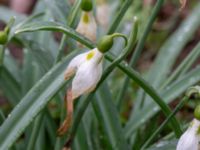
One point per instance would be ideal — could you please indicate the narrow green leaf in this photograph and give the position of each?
(53, 26)
(138, 49)
(58, 9)
(172, 92)
(33, 102)
(7, 13)
(108, 117)
(184, 66)
(12, 66)
(172, 48)
(164, 145)
(120, 14)
(10, 86)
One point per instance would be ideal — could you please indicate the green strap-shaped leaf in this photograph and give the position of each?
(10, 86)
(34, 101)
(169, 95)
(166, 58)
(172, 48)
(52, 26)
(108, 116)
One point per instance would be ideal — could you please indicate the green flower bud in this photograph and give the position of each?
(197, 112)
(106, 42)
(193, 92)
(3, 37)
(4, 34)
(86, 5)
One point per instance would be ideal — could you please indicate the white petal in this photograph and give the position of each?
(190, 139)
(86, 78)
(88, 29)
(97, 56)
(74, 64)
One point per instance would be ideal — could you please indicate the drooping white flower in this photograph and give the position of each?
(87, 68)
(87, 26)
(191, 138)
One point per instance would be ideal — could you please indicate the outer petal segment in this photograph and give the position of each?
(74, 64)
(87, 75)
(88, 29)
(190, 139)
(86, 79)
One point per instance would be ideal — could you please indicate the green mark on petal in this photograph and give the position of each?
(90, 55)
(198, 130)
(86, 18)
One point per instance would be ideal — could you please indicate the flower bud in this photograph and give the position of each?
(197, 112)
(106, 42)
(193, 92)
(3, 37)
(86, 5)
(4, 34)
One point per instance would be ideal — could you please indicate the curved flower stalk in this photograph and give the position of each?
(190, 140)
(102, 13)
(87, 68)
(87, 25)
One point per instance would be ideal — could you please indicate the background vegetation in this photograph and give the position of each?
(138, 93)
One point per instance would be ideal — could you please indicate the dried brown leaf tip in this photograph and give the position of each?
(183, 4)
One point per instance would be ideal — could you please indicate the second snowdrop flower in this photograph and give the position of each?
(87, 25)
(191, 138)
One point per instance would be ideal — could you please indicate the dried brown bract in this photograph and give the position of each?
(183, 3)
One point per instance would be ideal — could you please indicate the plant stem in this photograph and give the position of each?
(108, 70)
(184, 66)
(2, 51)
(151, 92)
(72, 18)
(36, 127)
(178, 107)
(139, 49)
(137, 78)
(119, 16)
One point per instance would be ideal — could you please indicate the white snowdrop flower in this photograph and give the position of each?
(87, 68)
(87, 26)
(191, 137)
(102, 14)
